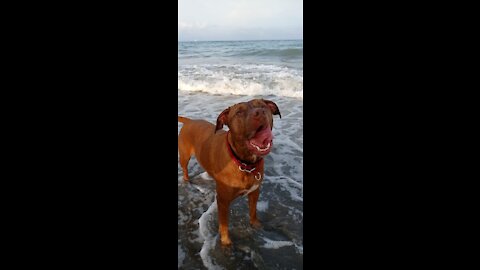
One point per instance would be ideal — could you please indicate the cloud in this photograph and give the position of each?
(240, 19)
(191, 26)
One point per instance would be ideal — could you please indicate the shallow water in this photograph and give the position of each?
(279, 244)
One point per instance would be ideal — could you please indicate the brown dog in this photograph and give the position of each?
(234, 158)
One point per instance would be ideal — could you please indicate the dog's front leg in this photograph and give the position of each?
(223, 204)
(252, 205)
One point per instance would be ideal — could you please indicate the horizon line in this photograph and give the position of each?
(224, 40)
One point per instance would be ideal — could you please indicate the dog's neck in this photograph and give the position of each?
(241, 153)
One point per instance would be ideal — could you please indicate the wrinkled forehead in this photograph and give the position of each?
(249, 104)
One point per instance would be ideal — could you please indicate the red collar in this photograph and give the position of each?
(242, 166)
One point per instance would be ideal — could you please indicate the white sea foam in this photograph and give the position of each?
(206, 176)
(181, 256)
(239, 79)
(294, 188)
(299, 248)
(207, 235)
(262, 206)
(201, 189)
(276, 244)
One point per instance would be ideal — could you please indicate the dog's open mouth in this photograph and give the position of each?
(261, 142)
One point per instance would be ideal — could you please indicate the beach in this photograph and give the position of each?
(211, 77)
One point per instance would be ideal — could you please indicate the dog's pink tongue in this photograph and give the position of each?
(263, 137)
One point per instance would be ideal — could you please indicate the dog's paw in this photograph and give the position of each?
(225, 241)
(227, 249)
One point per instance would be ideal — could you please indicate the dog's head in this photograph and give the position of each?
(251, 122)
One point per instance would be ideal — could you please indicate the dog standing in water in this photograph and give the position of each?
(235, 158)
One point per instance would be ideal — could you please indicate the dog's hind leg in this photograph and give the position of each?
(184, 159)
(185, 152)
(184, 163)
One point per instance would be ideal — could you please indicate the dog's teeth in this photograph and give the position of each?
(261, 149)
(266, 148)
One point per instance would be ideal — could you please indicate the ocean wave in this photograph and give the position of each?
(286, 53)
(241, 50)
(248, 80)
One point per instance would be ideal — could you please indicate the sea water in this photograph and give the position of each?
(211, 77)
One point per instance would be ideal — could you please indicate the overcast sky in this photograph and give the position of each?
(240, 19)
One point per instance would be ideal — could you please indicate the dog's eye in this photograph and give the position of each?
(239, 112)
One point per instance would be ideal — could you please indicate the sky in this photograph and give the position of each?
(239, 19)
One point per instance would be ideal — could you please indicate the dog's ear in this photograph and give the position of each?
(273, 107)
(222, 119)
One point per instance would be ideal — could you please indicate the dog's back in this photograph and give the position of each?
(195, 138)
(197, 131)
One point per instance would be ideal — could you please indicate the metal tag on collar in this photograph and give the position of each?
(245, 170)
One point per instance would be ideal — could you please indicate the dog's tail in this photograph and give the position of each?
(183, 119)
